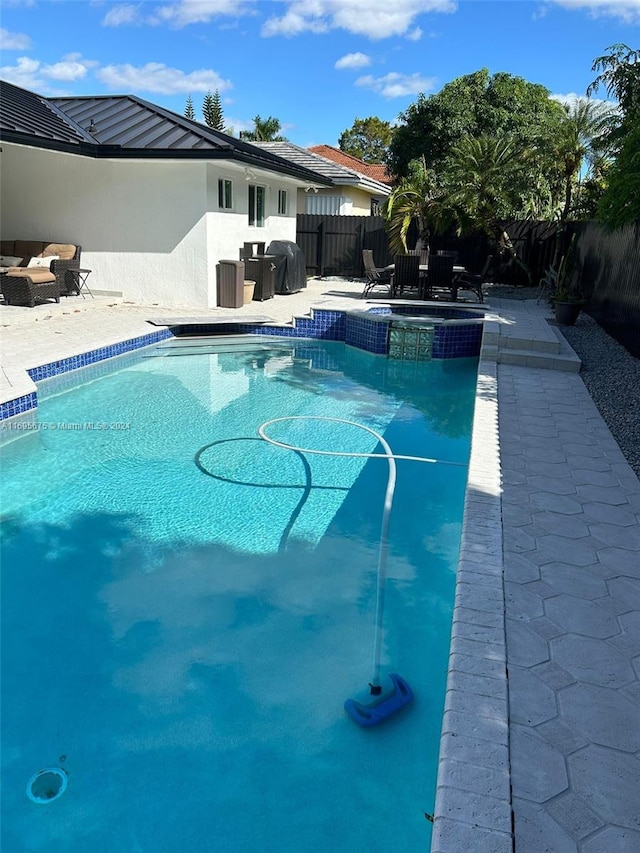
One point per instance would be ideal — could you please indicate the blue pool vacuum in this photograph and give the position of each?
(381, 700)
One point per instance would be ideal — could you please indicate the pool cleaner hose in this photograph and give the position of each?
(381, 700)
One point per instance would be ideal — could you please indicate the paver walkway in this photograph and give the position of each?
(571, 535)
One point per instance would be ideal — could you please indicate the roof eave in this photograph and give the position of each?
(99, 151)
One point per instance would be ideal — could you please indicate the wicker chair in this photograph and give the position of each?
(24, 285)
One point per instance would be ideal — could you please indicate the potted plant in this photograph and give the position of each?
(567, 298)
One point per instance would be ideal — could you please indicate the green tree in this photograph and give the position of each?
(264, 130)
(620, 203)
(620, 76)
(189, 111)
(475, 105)
(368, 139)
(212, 111)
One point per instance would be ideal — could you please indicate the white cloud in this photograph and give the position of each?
(177, 14)
(376, 19)
(627, 11)
(187, 12)
(72, 67)
(415, 35)
(13, 41)
(122, 15)
(33, 74)
(159, 78)
(395, 85)
(353, 60)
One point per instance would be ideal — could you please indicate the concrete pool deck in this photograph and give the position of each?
(541, 729)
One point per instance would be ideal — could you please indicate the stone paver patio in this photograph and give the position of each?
(571, 534)
(542, 720)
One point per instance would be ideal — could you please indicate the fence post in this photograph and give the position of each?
(321, 248)
(358, 267)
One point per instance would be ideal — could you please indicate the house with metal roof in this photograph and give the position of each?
(353, 193)
(154, 199)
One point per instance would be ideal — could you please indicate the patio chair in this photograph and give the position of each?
(466, 281)
(376, 276)
(440, 276)
(452, 253)
(406, 274)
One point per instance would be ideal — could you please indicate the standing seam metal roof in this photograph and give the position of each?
(25, 112)
(125, 125)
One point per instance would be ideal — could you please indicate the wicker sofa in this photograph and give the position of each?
(22, 284)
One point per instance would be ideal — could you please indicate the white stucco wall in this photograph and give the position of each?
(151, 230)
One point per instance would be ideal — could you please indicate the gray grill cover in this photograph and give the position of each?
(291, 272)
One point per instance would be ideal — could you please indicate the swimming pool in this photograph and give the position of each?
(186, 608)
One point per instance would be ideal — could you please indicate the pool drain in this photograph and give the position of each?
(47, 785)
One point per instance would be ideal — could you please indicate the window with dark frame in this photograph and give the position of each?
(257, 197)
(282, 202)
(225, 194)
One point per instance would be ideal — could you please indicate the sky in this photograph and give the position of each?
(316, 65)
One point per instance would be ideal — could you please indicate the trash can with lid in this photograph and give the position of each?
(230, 275)
(263, 269)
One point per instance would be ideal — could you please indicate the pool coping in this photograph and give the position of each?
(473, 808)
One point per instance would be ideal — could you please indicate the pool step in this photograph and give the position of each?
(556, 355)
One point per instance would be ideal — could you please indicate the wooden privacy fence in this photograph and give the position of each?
(609, 262)
(609, 265)
(332, 245)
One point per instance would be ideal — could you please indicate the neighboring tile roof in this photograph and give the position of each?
(339, 173)
(126, 126)
(377, 171)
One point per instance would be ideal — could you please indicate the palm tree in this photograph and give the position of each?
(580, 142)
(487, 180)
(418, 197)
(264, 130)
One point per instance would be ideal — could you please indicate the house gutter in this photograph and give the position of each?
(117, 152)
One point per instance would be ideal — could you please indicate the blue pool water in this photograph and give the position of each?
(185, 608)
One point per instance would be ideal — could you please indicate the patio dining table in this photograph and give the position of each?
(423, 269)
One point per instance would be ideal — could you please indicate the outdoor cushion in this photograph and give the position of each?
(64, 251)
(38, 276)
(10, 261)
(43, 263)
